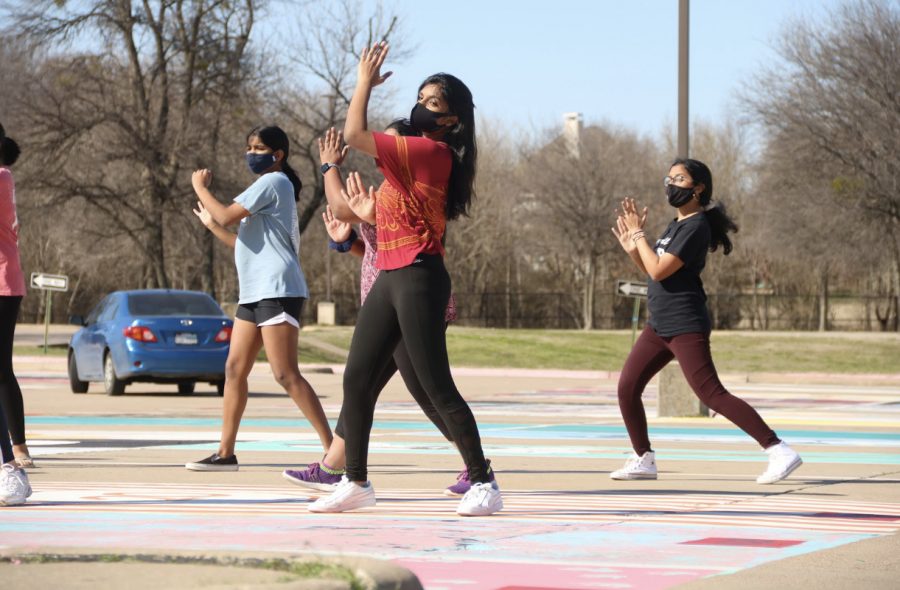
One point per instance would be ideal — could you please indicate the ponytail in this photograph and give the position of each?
(717, 217)
(720, 224)
(274, 137)
(293, 177)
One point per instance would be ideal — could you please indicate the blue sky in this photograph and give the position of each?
(527, 61)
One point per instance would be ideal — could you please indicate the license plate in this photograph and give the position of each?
(187, 338)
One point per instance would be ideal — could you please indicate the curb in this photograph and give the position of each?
(328, 572)
(873, 379)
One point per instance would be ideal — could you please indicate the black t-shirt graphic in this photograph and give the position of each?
(677, 304)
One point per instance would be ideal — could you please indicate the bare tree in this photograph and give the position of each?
(485, 250)
(578, 190)
(325, 51)
(119, 126)
(834, 101)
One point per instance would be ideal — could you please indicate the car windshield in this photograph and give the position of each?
(162, 304)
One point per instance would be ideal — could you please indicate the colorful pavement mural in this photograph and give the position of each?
(561, 540)
(609, 536)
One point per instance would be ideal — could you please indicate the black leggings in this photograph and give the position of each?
(401, 361)
(10, 394)
(650, 354)
(6, 452)
(409, 304)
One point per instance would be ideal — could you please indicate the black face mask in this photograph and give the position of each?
(425, 120)
(679, 196)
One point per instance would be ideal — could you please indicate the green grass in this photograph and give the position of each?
(337, 335)
(734, 352)
(55, 350)
(790, 353)
(795, 352)
(294, 570)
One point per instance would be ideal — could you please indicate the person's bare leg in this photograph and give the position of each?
(280, 342)
(336, 457)
(246, 342)
(21, 450)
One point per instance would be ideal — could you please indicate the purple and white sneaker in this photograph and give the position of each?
(315, 477)
(463, 484)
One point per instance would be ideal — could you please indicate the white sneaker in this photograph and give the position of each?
(347, 496)
(637, 467)
(482, 499)
(14, 486)
(783, 460)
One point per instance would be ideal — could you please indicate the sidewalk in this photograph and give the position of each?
(110, 485)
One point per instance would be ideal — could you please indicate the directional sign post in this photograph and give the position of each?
(48, 284)
(637, 290)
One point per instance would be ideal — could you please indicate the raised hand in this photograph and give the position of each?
(331, 148)
(204, 215)
(370, 62)
(201, 178)
(361, 202)
(338, 231)
(623, 235)
(633, 220)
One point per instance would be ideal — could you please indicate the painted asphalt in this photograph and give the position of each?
(110, 475)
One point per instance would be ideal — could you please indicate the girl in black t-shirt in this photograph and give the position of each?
(679, 323)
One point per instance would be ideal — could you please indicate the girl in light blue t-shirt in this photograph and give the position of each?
(272, 286)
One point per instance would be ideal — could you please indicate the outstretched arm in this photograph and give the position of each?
(356, 128)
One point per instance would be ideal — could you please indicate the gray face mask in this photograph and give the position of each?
(679, 196)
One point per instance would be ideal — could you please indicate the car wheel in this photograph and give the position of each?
(76, 384)
(220, 388)
(112, 384)
(186, 387)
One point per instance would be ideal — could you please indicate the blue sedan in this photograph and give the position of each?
(157, 336)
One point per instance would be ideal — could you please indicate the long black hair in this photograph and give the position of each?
(9, 151)
(720, 223)
(403, 127)
(274, 137)
(461, 139)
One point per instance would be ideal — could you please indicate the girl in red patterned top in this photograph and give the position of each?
(326, 475)
(428, 180)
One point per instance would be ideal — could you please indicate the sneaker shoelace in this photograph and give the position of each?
(481, 492)
(463, 475)
(312, 472)
(633, 463)
(13, 483)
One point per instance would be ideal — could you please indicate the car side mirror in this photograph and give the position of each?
(77, 320)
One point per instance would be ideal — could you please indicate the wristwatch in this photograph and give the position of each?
(326, 167)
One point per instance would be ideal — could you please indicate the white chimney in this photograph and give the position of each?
(572, 125)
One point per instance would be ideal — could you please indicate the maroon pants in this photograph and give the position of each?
(650, 354)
